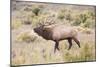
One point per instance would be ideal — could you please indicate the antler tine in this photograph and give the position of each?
(44, 21)
(48, 20)
(52, 22)
(40, 23)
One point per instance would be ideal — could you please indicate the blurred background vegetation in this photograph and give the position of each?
(28, 48)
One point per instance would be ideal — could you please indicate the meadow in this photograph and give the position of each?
(29, 48)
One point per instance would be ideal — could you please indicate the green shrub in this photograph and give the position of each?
(89, 23)
(61, 16)
(81, 18)
(65, 14)
(84, 20)
(68, 17)
(76, 22)
(36, 11)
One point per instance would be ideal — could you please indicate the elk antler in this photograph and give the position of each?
(46, 22)
(41, 23)
(49, 21)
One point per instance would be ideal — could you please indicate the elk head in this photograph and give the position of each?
(42, 28)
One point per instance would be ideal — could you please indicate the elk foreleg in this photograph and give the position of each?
(56, 46)
(70, 43)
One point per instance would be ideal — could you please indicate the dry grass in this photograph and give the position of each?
(16, 24)
(25, 37)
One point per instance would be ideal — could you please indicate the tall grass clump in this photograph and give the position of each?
(16, 23)
(25, 37)
(86, 53)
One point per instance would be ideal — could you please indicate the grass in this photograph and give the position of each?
(37, 52)
(85, 54)
(25, 37)
(16, 23)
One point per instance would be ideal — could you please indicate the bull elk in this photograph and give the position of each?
(57, 33)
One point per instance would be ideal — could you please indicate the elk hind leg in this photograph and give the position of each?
(77, 41)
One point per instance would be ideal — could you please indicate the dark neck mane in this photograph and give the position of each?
(47, 35)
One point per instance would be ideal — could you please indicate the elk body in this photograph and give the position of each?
(57, 33)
